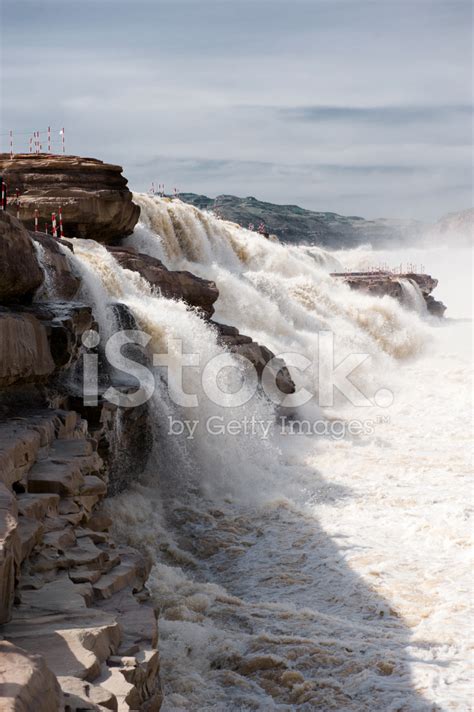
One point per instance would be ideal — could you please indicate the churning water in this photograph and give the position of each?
(326, 571)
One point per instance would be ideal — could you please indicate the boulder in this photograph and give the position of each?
(258, 355)
(75, 640)
(25, 355)
(173, 284)
(37, 340)
(20, 273)
(26, 682)
(81, 696)
(93, 195)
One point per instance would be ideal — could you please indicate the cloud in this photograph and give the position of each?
(399, 115)
(355, 106)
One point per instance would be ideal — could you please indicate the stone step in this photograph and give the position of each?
(51, 524)
(38, 506)
(138, 621)
(24, 439)
(121, 576)
(84, 574)
(80, 696)
(112, 680)
(140, 673)
(60, 539)
(93, 486)
(80, 450)
(63, 478)
(61, 594)
(86, 553)
(71, 448)
(100, 522)
(73, 642)
(97, 537)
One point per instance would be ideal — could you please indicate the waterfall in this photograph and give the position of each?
(279, 295)
(106, 283)
(412, 295)
(290, 571)
(47, 289)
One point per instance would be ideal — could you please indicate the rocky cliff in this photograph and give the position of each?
(93, 195)
(78, 630)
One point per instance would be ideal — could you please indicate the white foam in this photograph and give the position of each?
(302, 572)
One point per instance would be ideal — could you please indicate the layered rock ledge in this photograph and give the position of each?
(96, 202)
(380, 284)
(80, 633)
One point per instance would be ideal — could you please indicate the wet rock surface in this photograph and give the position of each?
(20, 273)
(173, 284)
(380, 284)
(258, 355)
(63, 282)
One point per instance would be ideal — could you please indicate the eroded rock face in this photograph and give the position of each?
(426, 284)
(9, 550)
(20, 273)
(173, 284)
(25, 355)
(39, 340)
(94, 197)
(380, 284)
(79, 632)
(258, 355)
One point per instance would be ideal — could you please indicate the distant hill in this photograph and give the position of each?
(458, 228)
(290, 223)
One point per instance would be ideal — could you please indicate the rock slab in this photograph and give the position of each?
(95, 200)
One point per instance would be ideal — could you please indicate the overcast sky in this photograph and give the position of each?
(360, 107)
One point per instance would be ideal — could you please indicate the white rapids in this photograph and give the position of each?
(326, 572)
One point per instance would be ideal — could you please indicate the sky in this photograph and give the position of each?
(361, 107)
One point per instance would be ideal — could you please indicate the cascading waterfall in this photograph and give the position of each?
(280, 296)
(105, 283)
(293, 572)
(412, 295)
(47, 289)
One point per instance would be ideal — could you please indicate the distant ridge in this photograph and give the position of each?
(293, 224)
